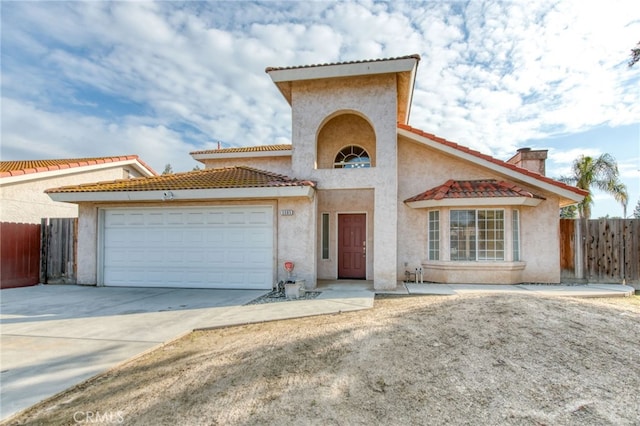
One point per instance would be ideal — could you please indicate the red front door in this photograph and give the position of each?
(352, 248)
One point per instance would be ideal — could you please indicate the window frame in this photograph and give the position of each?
(433, 235)
(325, 239)
(516, 250)
(477, 242)
(343, 163)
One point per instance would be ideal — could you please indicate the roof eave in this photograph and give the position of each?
(513, 174)
(283, 77)
(224, 155)
(171, 196)
(147, 172)
(475, 202)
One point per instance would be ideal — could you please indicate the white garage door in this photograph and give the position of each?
(215, 247)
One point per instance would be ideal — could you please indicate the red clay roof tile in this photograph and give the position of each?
(488, 188)
(229, 177)
(257, 148)
(23, 167)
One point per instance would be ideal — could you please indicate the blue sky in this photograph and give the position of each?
(161, 79)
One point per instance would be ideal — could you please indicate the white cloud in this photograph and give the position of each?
(39, 136)
(568, 156)
(492, 76)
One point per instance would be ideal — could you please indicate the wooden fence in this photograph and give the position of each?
(19, 254)
(602, 250)
(58, 256)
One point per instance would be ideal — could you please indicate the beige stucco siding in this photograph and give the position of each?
(87, 254)
(24, 201)
(335, 202)
(421, 168)
(373, 98)
(540, 235)
(342, 131)
(296, 236)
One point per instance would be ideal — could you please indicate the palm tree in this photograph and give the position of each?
(600, 172)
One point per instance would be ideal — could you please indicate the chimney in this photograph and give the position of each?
(530, 159)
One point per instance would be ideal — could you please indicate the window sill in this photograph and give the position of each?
(480, 272)
(499, 265)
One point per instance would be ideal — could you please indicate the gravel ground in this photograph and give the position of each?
(441, 360)
(279, 296)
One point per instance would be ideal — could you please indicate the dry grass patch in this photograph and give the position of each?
(490, 359)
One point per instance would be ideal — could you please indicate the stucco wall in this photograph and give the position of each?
(341, 131)
(335, 202)
(421, 168)
(87, 255)
(26, 202)
(375, 99)
(297, 239)
(540, 234)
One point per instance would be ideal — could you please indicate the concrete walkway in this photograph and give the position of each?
(53, 337)
(573, 290)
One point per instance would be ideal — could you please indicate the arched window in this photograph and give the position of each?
(352, 157)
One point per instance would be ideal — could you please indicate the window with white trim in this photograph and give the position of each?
(434, 235)
(476, 235)
(515, 229)
(352, 157)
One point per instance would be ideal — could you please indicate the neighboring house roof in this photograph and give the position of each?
(404, 67)
(458, 192)
(190, 185)
(282, 150)
(570, 192)
(26, 167)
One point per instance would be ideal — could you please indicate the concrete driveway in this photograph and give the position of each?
(53, 337)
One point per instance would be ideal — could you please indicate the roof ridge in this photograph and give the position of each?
(247, 149)
(491, 159)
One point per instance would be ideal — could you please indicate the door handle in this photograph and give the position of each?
(364, 248)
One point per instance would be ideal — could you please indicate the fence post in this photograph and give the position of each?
(579, 249)
(44, 249)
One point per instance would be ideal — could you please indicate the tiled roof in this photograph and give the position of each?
(230, 177)
(488, 188)
(492, 160)
(258, 148)
(414, 56)
(15, 168)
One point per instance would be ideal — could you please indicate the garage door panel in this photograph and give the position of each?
(155, 219)
(222, 247)
(236, 217)
(258, 218)
(259, 237)
(215, 218)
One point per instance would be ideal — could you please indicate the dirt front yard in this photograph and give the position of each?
(491, 359)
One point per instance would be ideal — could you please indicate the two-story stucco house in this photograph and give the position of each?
(358, 194)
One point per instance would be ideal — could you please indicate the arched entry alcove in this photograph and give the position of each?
(344, 133)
